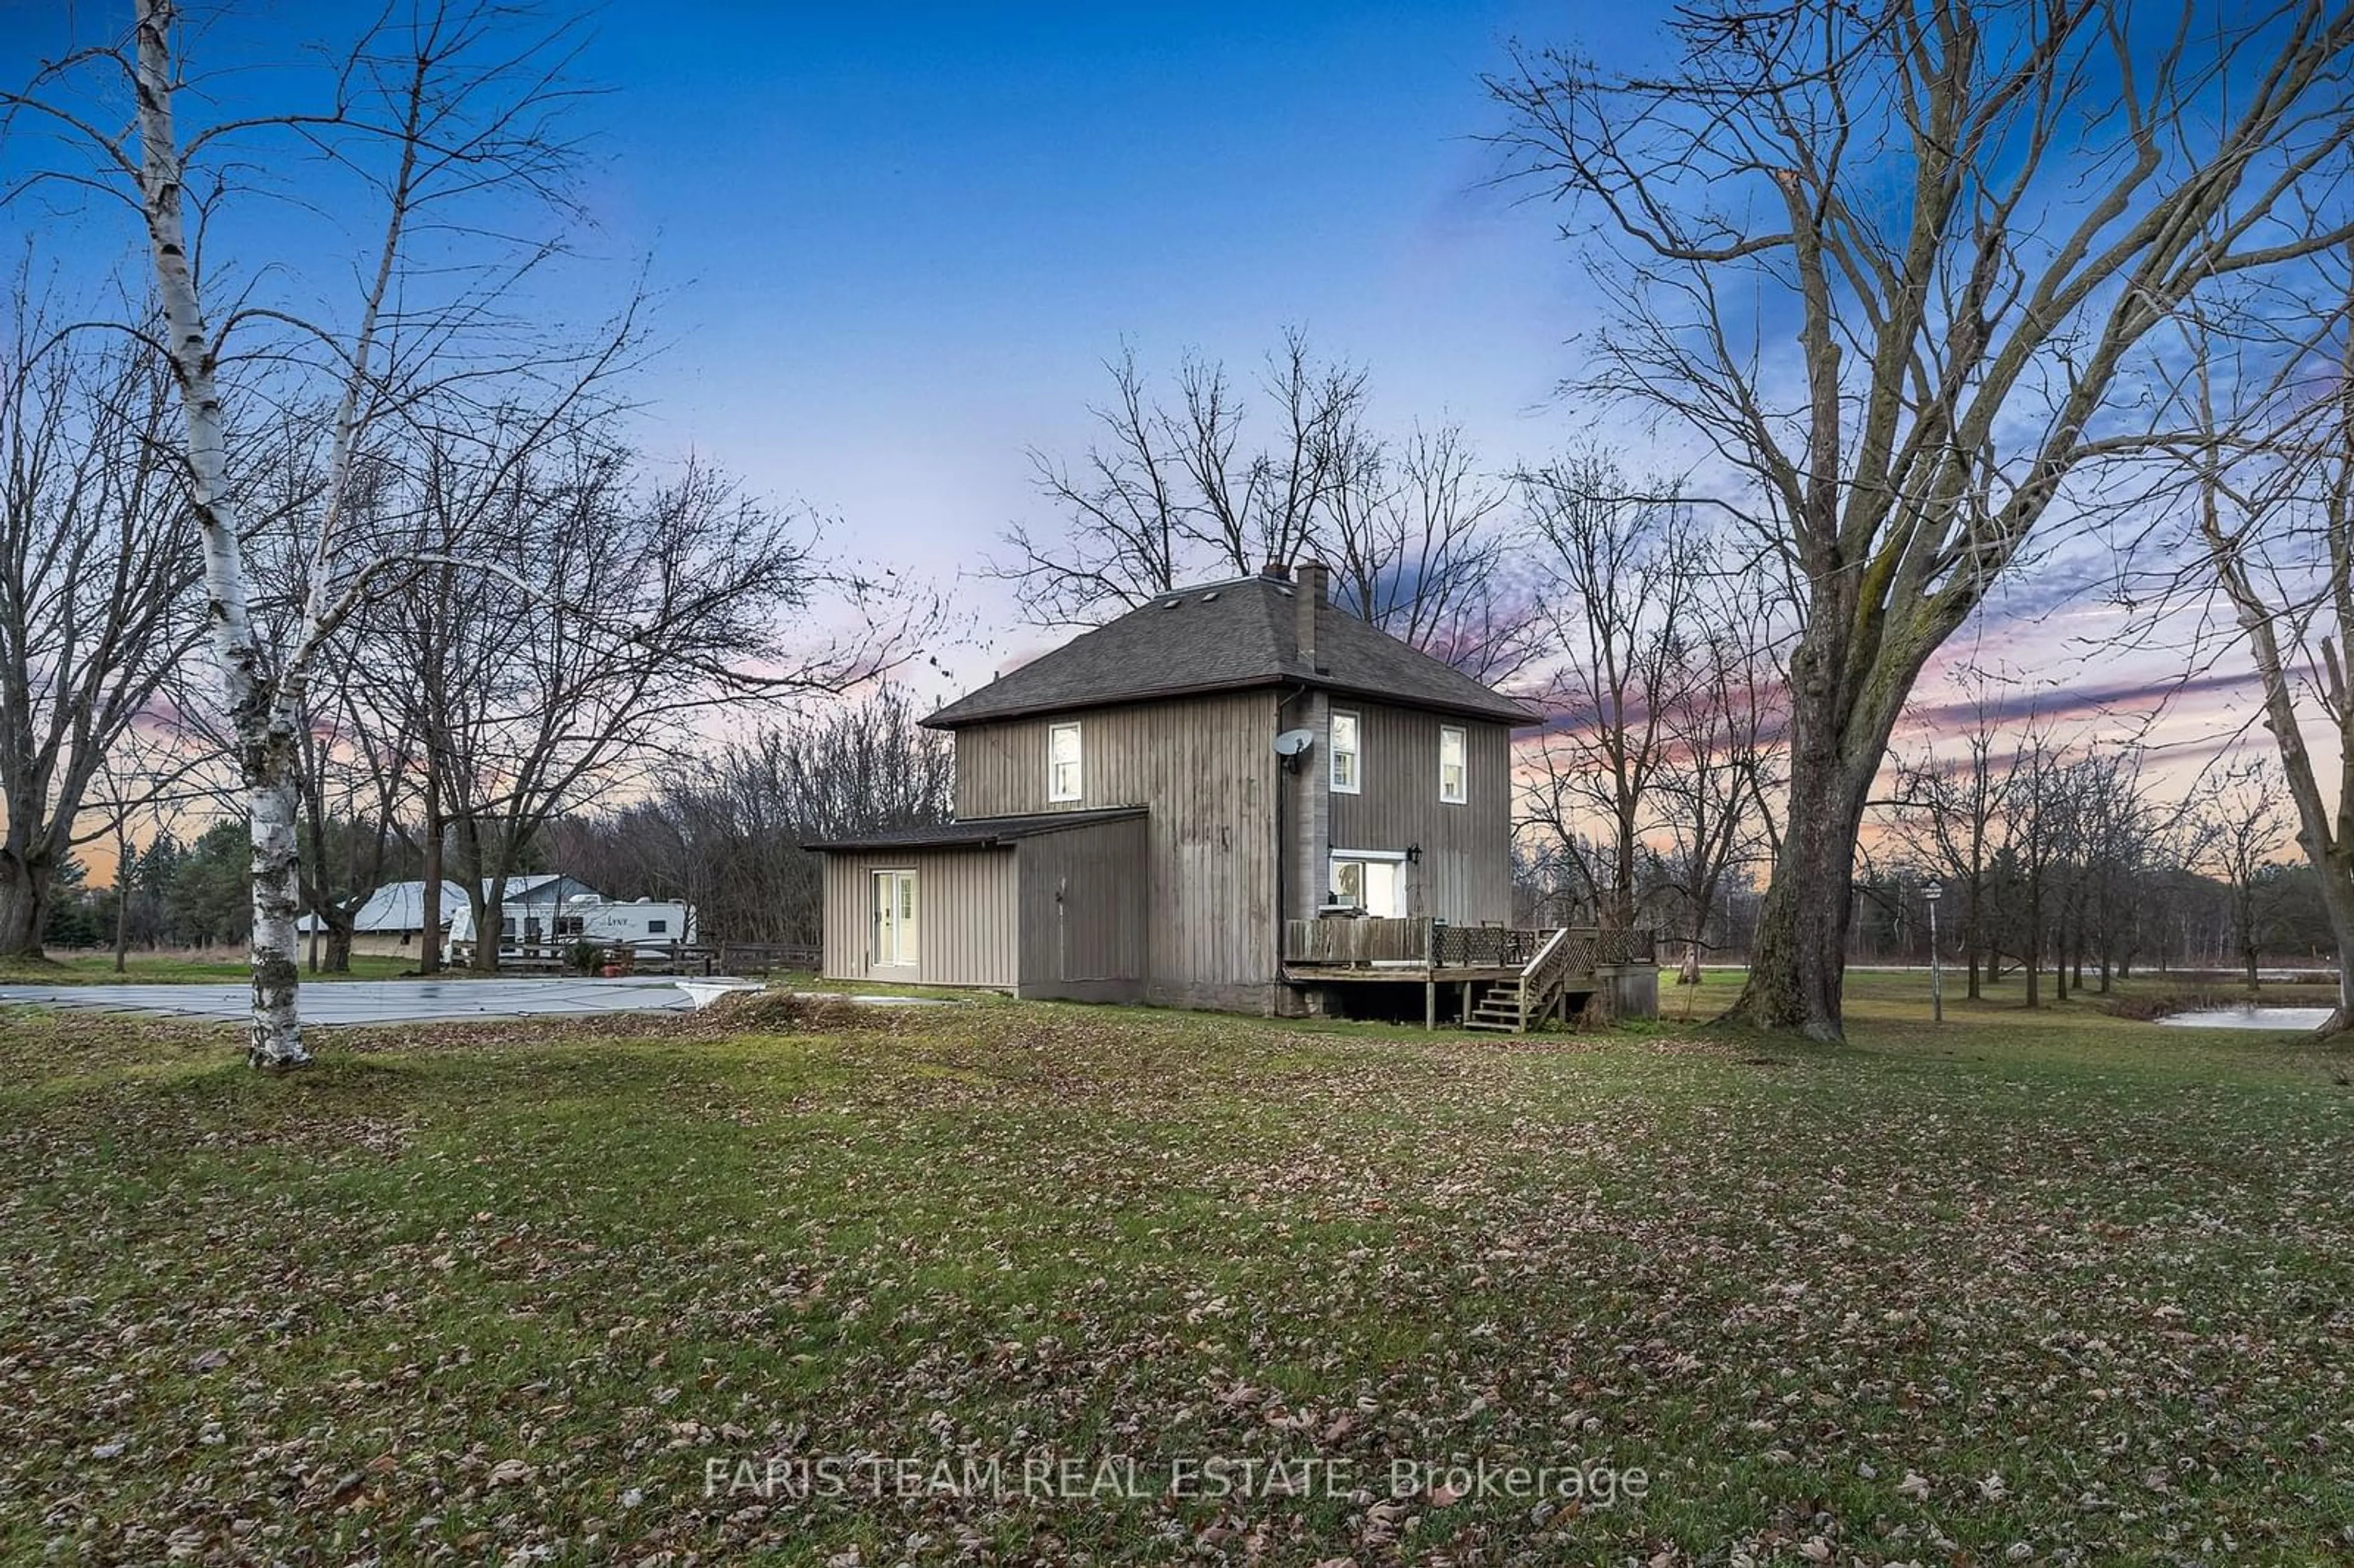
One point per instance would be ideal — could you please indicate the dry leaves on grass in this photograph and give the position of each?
(1839, 1313)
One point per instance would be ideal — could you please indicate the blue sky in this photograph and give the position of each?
(901, 255)
(894, 246)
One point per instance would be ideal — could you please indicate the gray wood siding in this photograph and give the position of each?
(1084, 916)
(967, 919)
(1205, 768)
(1466, 871)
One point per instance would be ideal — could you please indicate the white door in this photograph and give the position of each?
(894, 919)
(1374, 884)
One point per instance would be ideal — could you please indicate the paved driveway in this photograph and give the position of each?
(373, 1002)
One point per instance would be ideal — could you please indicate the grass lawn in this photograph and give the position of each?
(2050, 1289)
(159, 969)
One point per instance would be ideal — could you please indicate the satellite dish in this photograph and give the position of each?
(1292, 742)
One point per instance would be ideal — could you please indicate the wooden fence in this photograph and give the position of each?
(646, 957)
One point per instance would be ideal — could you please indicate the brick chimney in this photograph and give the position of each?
(1276, 571)
(1310, 579)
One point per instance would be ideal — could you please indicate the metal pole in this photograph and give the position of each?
(1937, 970)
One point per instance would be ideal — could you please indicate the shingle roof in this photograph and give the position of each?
(980, 833)
(1226, 637)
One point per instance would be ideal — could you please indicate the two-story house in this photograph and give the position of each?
(1238, 796)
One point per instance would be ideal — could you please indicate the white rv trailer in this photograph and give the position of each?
(646, 924)
(649, 924)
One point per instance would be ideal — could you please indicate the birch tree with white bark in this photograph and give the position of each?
(436, 110)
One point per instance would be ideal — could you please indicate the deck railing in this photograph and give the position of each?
(1638, 944)
(1420, 942)
(1370, 939)
(1483, 947)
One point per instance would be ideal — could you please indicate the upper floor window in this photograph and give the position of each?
(1451, 772)
(1063, 762)
(1348, 767)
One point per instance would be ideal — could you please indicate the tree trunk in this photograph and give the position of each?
(277, 901)
(338, 959)
(1621, 915)
(263, 746)
(125, 885)
(1970, 970)
(490, 918)
(1799, 960)
(1841, 719)
(25, 887)
(430, 938)
(2337, 903)
(2031, 960)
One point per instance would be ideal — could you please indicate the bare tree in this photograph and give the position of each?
(1621, 574)
(725, 829)
(597, 609)
(2121, 831)
(358, 777)
(1420, 540)
(2272, 459)
(1947, 814)
(441, 107)
(2038, 816)
(159, 769)
(1172, 493)
(1422, 545)
(2240, 823)
(1970, 215)
(1717, 785)
(96, 616)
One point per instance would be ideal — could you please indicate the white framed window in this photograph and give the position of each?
(1453, 775)
(1063, 771)
(1347, 765)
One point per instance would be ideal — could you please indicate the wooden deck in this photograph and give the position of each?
(1375, 948)
(1366, 974)
(1511, 976)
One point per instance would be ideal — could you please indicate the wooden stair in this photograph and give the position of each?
(1499, 1009)
(1510, 1007)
